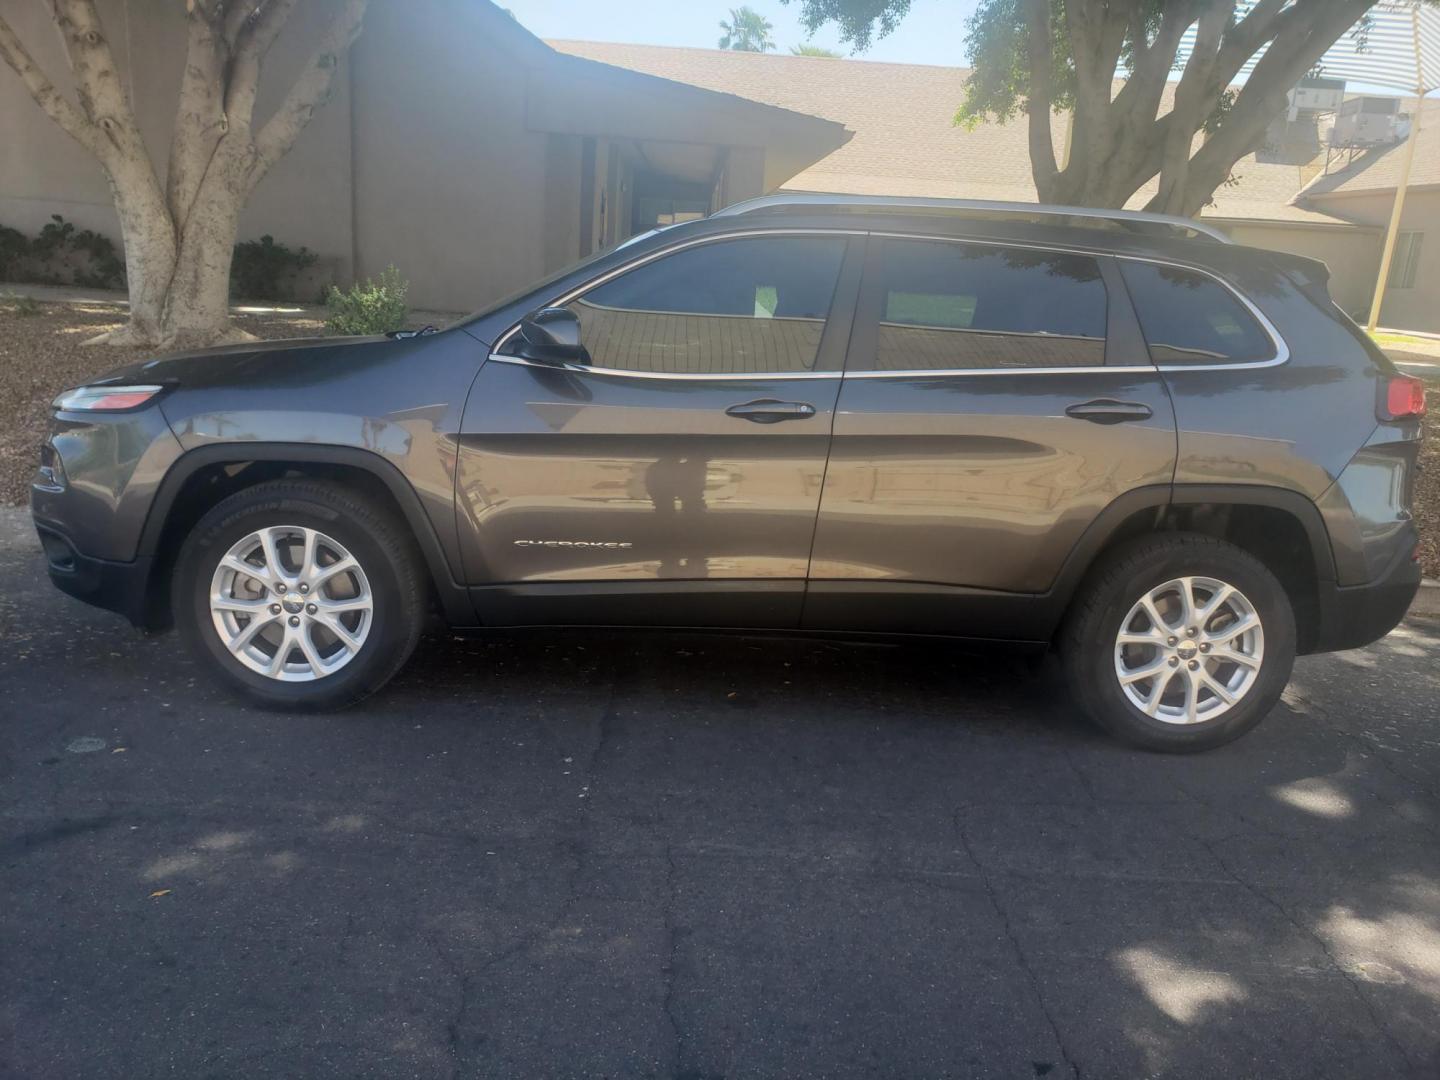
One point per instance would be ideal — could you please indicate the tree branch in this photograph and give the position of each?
(58, 107)
(200, 121)
(1189, 109)
(97, 79)
(1298, 45)
(260, 26)
(310, 91)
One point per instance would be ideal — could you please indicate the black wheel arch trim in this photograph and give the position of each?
(1103, 529)
(454, 599)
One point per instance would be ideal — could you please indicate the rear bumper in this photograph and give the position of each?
(1356, 615)
(114, 586)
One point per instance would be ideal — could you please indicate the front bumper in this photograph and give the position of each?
(1356, 615)
(115, 586)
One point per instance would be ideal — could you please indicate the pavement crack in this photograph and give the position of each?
(1349, 976)
(1024, 961)
(454, 1045)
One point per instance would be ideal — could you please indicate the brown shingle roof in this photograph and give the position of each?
(1379, 170)
(906, 142)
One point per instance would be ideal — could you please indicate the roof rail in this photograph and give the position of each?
(977, 207)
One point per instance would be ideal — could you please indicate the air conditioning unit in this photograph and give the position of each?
(1366, 121)
(1315, 94)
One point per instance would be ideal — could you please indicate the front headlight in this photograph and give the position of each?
(105, 398)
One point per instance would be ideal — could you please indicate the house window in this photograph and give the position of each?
(1405, 263)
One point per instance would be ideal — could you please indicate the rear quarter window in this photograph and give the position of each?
(1190, 318)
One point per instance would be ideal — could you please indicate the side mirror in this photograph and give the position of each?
(552, 334)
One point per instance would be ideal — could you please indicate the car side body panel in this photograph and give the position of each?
(399, 400)
(1293, 425)
(567, 478)
(967, 490)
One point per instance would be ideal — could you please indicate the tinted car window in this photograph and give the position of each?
(730, 307)
(949, 305)
(1190, 318)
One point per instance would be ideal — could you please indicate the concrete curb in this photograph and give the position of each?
(1427, 600)
(17, 532)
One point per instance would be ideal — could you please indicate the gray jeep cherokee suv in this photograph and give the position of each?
(1170, 457)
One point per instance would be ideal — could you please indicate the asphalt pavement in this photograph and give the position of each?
(567, 854)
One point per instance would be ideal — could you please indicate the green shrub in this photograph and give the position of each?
(370, 307)
(61, 255)
(264, 270)
(58, 243)
(14, 246)
(15, 304)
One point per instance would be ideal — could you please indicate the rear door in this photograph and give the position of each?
(996, 400)
(675, 478)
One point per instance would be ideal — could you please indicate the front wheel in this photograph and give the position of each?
(1179, 642)
(300, 594)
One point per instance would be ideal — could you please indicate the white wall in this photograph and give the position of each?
(1352, 255)
(1416, 308)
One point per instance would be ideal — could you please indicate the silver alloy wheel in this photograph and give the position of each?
(290, 603)
(1189, 650)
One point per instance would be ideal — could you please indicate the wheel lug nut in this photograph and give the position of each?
(295, 620)
(1190, 631)
(1171, 640)
(1174, 661)
(310, 609)
(274, 609)
(280, 588)
(304, 588)
(1194, 665)
(1204, 646)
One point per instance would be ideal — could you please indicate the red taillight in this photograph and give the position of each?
(1402, 397)
(105, 398)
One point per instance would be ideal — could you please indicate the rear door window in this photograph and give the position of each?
(957, 306)
(1190, 318)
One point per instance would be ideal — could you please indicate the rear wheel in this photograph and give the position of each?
(300, 594)
(1179, 642)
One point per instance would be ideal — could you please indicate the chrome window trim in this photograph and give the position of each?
(614, 272)
(920, 373)
(1282, 350)
(729, 376)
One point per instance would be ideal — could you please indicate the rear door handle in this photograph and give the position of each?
(1109, 411)
(770, 411)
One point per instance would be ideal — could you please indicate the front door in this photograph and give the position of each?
(674, 478)
(996, 400)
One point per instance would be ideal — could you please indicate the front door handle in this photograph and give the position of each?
(770, 411)
(1109, 411)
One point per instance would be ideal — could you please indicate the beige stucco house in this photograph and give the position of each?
(458, 146)
(906, 143)
(476, 157)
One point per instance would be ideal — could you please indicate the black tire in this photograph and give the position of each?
(384, 548)
(1088, 639)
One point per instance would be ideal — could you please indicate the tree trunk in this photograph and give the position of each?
(179, 241)
(149, 241)
(197, 302)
